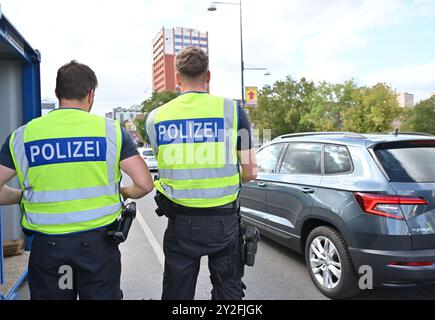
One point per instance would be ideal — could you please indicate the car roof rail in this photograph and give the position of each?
(305, 134)
(396, 133)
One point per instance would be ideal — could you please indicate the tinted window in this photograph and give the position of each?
(148, 153)
(302, 158)
(408, 161)
(337, 160)
(267, 158)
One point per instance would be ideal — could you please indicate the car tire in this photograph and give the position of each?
(317, 264)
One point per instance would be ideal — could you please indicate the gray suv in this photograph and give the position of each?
(348, 201)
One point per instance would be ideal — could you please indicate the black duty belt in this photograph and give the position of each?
(227, 209)
(171, 209)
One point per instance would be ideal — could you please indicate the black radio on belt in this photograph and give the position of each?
(120, 233)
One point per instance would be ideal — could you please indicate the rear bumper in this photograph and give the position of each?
(152, 167)
(387, 275)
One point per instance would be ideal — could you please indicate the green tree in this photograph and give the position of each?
(156, 100)
(140, 126)
(373, 109)
(282, 106)
(298, 106)
(327, 104)
(422, 118)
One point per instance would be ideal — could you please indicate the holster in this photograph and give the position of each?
(118, 233)
(251, 236)
(164, 206)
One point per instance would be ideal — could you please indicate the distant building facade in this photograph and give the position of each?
(127, 117)
(130, 125)
(109, 115)
(406, 100)
(125, 114)
(166, 45)
(47, 105)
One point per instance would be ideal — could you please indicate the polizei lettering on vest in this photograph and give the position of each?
(43, 152)
(190, 131)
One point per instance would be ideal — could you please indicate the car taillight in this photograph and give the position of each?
(385, 205)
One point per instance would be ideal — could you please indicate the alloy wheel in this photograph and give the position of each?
(325, 262)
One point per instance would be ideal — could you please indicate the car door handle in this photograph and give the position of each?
(262, 184)
(307, 190)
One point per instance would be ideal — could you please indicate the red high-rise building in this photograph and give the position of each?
(166, 45)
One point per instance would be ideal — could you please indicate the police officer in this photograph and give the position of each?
(68, 166)
(195, 140)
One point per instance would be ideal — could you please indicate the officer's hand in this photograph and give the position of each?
(136, 168)
(124, 193)
(8, 195)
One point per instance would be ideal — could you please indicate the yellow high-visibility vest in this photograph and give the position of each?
(67, 163)
(194, 138)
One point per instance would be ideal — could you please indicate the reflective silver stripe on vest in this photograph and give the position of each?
(151, 130)
(72, 217)
(112, 149)
(201, 193)
(194, 174)
(68, 195)
(20, 154)
(229, 106)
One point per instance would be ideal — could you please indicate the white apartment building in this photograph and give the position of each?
(406, 100)
(125, 114)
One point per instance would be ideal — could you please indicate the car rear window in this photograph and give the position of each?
(148, 153)
(410, 161)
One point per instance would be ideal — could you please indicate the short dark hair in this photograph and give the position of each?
(192, 62)
(74, 81)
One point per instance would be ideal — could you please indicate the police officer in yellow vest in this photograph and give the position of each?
(199, 153)
(68, 165)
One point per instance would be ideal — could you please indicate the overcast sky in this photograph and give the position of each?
(372, 41)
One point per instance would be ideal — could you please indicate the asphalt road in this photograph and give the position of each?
(279, 274)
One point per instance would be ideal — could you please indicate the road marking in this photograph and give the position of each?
(149, 234)
(157, 248)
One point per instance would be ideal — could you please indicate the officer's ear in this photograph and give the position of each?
(90, 98)
(208, 77)
(178, 78)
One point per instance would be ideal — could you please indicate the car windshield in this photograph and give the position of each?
(411, 161)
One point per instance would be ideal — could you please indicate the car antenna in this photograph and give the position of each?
(396, 132)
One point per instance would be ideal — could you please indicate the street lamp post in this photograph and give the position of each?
(213, 7)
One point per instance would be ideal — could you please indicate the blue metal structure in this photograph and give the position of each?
(2, 279)
(14, 48)
(17, 48)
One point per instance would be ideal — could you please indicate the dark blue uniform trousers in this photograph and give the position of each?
(94, 260)
(187, 239)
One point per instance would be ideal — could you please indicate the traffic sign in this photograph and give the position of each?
(251, 96)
